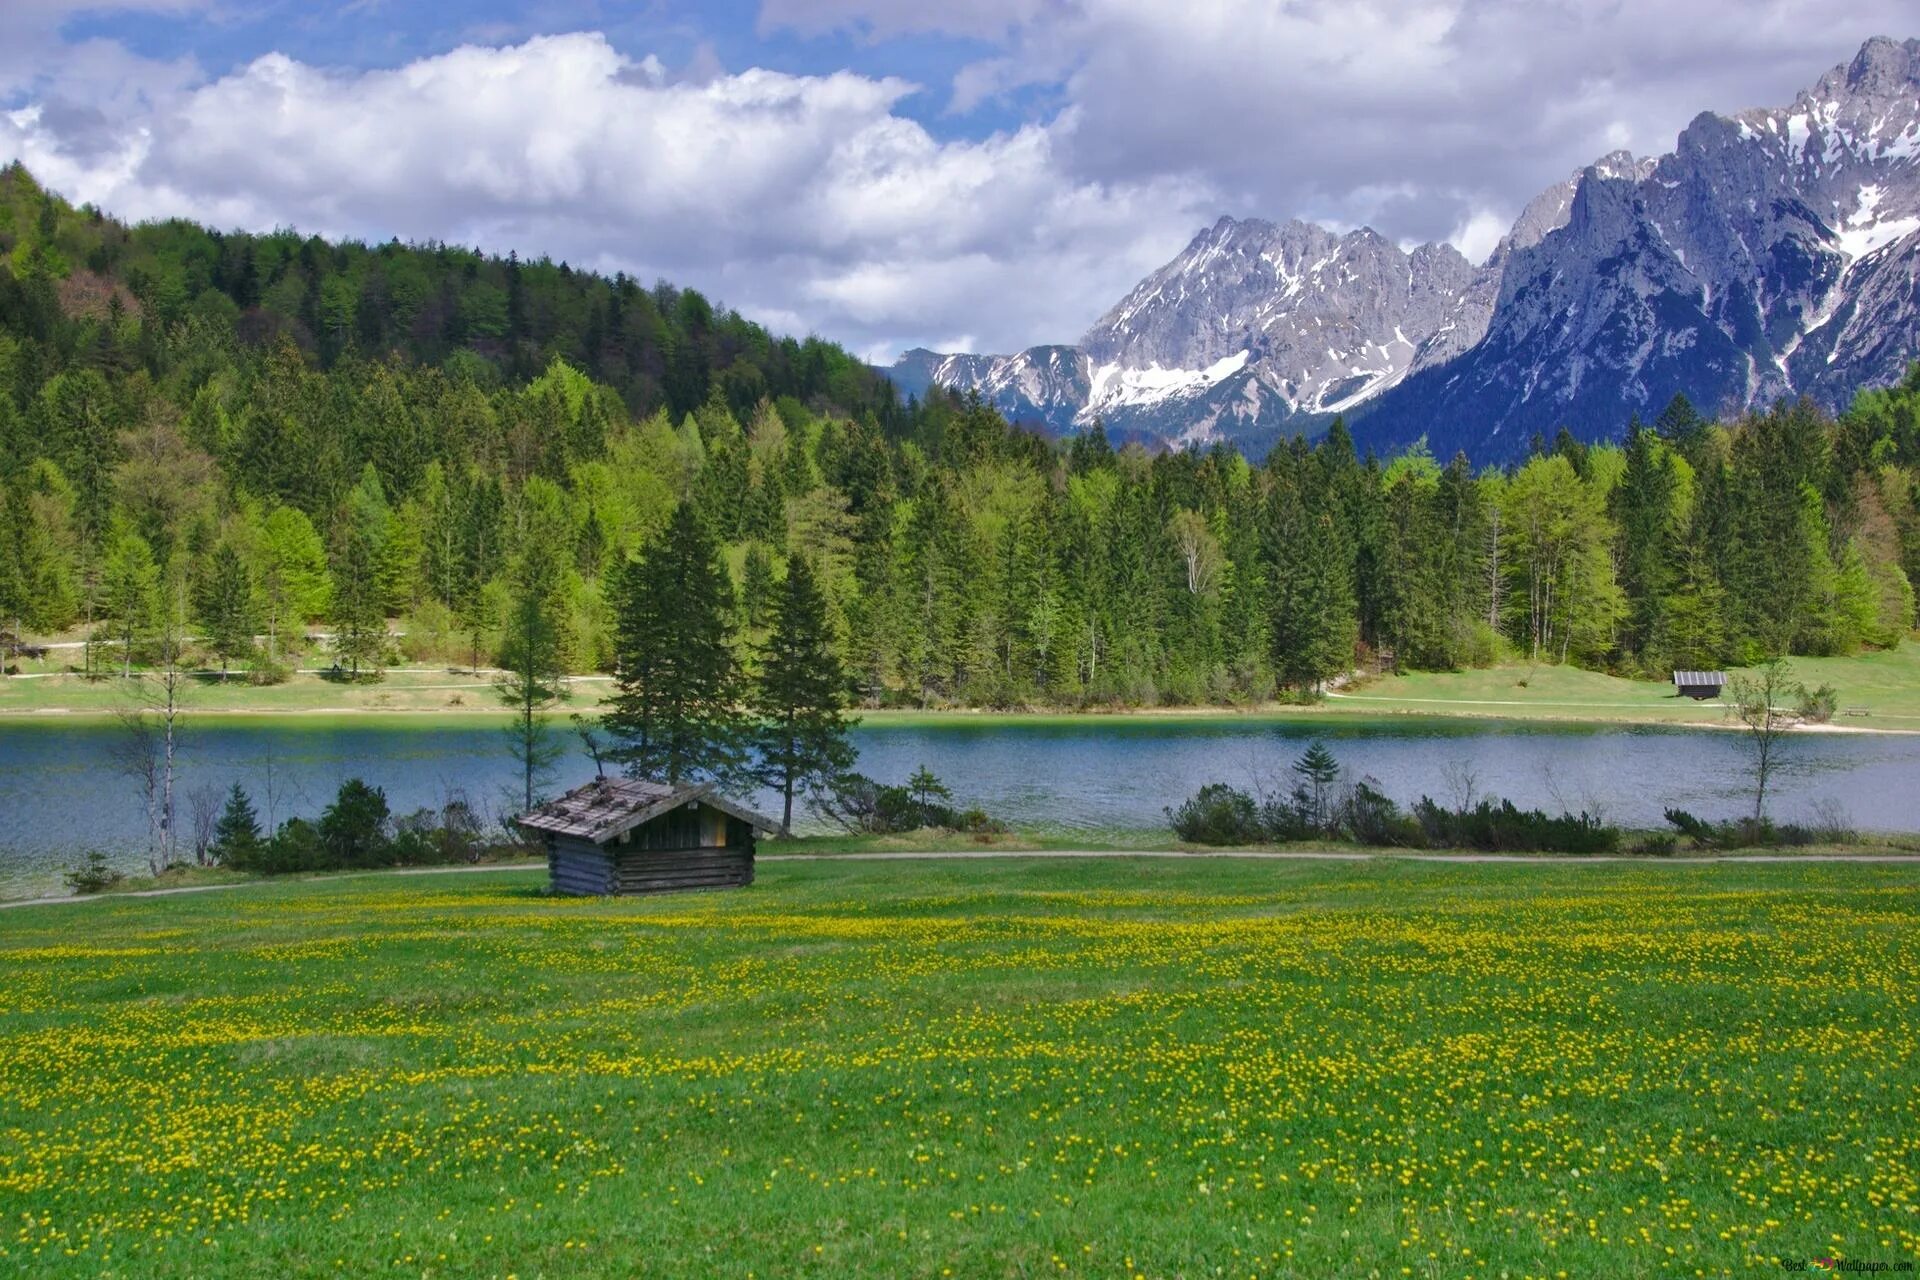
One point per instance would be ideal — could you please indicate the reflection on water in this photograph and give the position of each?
(59, 791)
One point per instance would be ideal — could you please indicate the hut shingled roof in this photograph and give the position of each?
(607, 807)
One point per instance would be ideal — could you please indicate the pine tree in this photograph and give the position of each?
(224, 605)
(676, 710)
(359, 590)
(130, 584)
(236, 837)
(1314, 625)
(533, 664)
(1644, 507)
(1318, 771)
(756, 585)
(800, 698)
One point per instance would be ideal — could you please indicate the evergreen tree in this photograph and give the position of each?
(800, 697)
(676, 708)
(756, 585)
(361, 584)
(236, 836)
(1644, 506)
(224, 606)
(130, 584)
(533, 663)
(1317, 771)
(1314, 625)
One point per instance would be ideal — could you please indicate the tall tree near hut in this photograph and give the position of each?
(676, 710)
(800, 699)
(533, 658)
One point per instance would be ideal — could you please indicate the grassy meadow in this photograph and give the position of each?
(1878, 690)
(1014, 1068)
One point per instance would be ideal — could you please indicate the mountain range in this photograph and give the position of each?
(1772, 253)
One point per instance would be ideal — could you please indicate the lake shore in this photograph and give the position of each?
(1878, 693)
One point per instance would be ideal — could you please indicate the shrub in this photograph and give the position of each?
(1217, 814)
(294, 847)
(1369, 817)
(1818, 705)
(264, 671)
(858, 804)
(1504, 828)
(93, 874)
(353, 829)
(1754, 833)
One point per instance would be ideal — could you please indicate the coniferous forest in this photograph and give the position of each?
(249, 439)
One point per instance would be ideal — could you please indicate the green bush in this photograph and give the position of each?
(1218, 814)
(1818, 705)
(93, 874)
(353, 829)
(1504, 828)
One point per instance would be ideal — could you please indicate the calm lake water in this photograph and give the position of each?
(60, 793)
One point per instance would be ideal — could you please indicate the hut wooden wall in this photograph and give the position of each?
(697, 848)
(576, 866)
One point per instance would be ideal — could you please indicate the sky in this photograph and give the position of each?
(977, 176)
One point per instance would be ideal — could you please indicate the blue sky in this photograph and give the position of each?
(982, 176)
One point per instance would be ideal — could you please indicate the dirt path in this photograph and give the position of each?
(1253, 855)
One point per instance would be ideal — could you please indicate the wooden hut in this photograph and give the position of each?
(1698, 684)
(623, 835)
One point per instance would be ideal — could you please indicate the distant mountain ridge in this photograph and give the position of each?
(1772, 253)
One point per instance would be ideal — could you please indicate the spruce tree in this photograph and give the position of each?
(236, 836)
(800, 698)
(1643, 504)
(224, 603)
(362, 577)
(676, 709)
(533, 662)
(1318, 771)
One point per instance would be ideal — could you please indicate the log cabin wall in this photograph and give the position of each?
(690, 847)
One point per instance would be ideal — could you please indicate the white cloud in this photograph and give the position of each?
(1477, 235)
(816, 203)
(1410, 115)
(805, 200)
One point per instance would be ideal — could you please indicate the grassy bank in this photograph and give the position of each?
(1115, 1067)
(1877, 691)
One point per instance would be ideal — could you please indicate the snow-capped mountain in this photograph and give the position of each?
(1253, 326)
(1772, 253)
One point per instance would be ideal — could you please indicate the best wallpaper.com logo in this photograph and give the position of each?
(1827, 1264)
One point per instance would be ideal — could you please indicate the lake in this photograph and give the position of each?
(60, 792)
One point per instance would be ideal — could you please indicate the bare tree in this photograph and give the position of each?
(151, 750)
(1199, 550)
(1755, 701)
(203, 811)
(1463, 783)
(137, 755)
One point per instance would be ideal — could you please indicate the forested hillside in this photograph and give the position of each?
(263, 435)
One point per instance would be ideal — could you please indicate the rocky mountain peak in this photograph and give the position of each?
(1773, 252)
(1883, 68)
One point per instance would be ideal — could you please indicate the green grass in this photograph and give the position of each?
(406, 695)
(1885, 686)
(1010, 1068)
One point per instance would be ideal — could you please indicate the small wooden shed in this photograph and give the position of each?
(1699, 684)
(625, 835)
